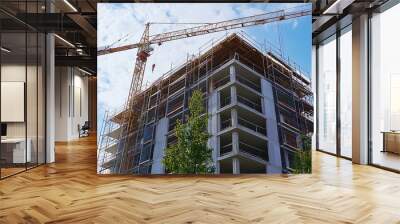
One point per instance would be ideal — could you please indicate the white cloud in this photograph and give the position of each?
(294, 24)
(117, 20)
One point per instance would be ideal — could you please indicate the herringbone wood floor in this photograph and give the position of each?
(69, 191)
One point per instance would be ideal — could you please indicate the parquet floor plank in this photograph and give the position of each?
(70, 191)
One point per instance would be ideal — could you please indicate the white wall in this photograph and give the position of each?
(14, 73)
(33, 125)
(80, 112)
(61, 103)
(17, 73)
(71, 102)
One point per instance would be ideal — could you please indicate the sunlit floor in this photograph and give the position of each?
(386, 159)
(70, 191)
(10, 171)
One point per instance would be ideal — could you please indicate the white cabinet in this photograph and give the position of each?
(19, 155)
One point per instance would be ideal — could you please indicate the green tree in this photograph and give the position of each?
(303, 158)
(190, 155)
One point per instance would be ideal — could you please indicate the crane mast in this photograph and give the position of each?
(143, 53)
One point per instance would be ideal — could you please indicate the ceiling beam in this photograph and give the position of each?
(82, 61)
(86, 27)
(337, 7)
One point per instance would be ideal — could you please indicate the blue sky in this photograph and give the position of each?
(117, 20)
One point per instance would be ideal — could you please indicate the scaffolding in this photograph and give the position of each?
(108, 140)
(168, 97)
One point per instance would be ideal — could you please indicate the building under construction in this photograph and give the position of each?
(258, 105)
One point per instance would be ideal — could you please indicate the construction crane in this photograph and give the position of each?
(145, 48)
(144, 45)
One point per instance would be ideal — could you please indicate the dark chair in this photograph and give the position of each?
(84, 130)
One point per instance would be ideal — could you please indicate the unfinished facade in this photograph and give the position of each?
(258, 105)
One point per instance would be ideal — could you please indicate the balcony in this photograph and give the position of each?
(146, 152)
(173, 121)
(225, 120)
(225, 97)
(308, 116)
(176, 87)
(254, 151)
(151, 115)
(250, 103)
(171, 139)
(282, 77)
(109, 162)
(250, 125)
(225, 101)
(308, 99)
(225, 149)
(253, 145)
(225, 144)
(248, 144)
(289, 138)
(112, 148)
(174, 104)
(221, 81)
(226, 124)
(243, 96)
(288, 117)
(307, 106)
(285, 99)
(153, 100)
(254, 122)
(249, 83)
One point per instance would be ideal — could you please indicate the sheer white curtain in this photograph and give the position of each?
(327, 95)
(385, 78)
(346, 93)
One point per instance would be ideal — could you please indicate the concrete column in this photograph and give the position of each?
(218, 100)
(232, 73)
(274, 150)
(50, 95)
(216, 151)
(216, 154)
(62, 111)
(234, 117)
(235, 166)
(360, 90)
(160, 146)
(262, 105)
(235, 142)
(233, 95)
(213, 126)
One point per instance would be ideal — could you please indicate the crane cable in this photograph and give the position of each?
(172, 23)
(128, 35)
(280, 40)
(119, 40)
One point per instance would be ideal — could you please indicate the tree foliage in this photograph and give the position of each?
(190, 155)
(303, 158)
